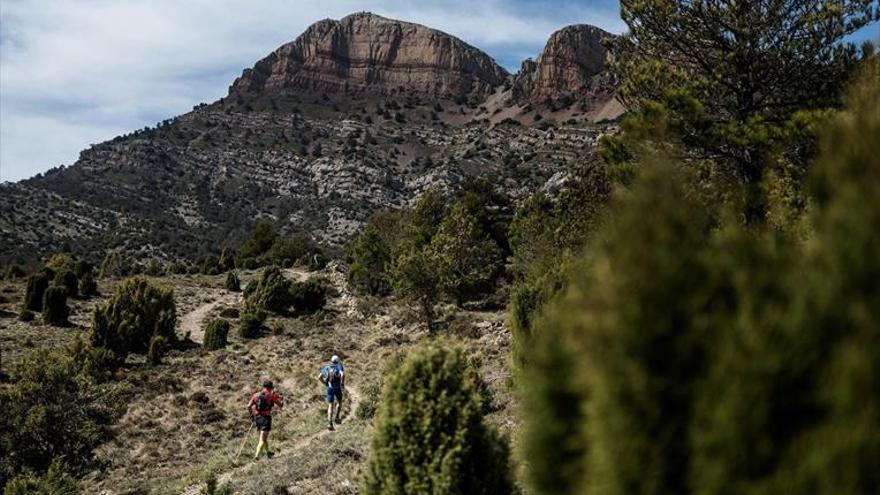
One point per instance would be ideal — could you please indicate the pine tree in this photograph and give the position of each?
(467, 259)
(733, 81)
(369, 258)
(430, 437)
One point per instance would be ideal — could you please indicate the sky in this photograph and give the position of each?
(78, 72)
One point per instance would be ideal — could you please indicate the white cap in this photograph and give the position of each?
(334, 359)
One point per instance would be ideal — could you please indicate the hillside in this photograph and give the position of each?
(354, 116)
(184, 419)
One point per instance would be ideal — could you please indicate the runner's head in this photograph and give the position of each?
(334, 359)
(268, 384)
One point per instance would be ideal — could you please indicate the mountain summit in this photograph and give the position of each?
(354, 116)
(367, 52)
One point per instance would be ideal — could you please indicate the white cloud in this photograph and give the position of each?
(78, 72)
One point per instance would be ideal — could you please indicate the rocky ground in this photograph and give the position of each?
(185, 418)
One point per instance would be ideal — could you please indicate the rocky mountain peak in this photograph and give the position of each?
(370, 53)
(572, 64)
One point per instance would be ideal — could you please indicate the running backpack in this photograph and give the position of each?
(262, 402)
(333, 375)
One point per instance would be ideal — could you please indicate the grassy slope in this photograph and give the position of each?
(186, 417)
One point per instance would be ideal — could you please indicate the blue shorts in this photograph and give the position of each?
(333, 393)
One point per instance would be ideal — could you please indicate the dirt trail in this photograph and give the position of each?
(354, 398)
(193, 322)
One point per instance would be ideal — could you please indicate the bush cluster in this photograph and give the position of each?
(137, 311)
(273, 292)
(266, 246)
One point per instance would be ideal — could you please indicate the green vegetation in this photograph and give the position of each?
(271, 292)
(232, 282)
(723, 357)
(56, 410)
(137, 311)
(67, 279)
(467, 260)
(55, 310)
(55, 482)
(308, 296)
(250, 323)
(266, 246)
(741, 87)
(545, 235)
(430, 436)
(37, 284)
(216, 331)
(369, 262)
(88, 287)
(434, 251)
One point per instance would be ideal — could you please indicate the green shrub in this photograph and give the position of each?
(55, 310)
(250, 323)
(54, 408)
(157, 350)
(87, 285)
(115, 265)
(261, 239)
(430, 437)
(271, 292)
(55, 482)
(216, 332)
(61, 263)
(232, 282)
(136, 312)
(36, 286)
(67, 279)
(82, 267)
(308, 296)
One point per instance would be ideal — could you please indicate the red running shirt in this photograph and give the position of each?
(272, 398)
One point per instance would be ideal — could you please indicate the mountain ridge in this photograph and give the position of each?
(310, 153)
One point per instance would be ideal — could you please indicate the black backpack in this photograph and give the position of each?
(262, 402)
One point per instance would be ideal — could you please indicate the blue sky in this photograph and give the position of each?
(77, 72)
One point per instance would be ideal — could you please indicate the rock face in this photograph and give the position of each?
(571, 65)
(368, 52)
(361, 123)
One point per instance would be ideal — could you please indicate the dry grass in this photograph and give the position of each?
(186, 418)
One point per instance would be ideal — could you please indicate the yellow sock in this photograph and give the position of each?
(259, 449)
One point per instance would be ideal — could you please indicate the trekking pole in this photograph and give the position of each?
(243, 441)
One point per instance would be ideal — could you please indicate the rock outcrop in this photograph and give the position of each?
(572, 65)
(367, 52)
